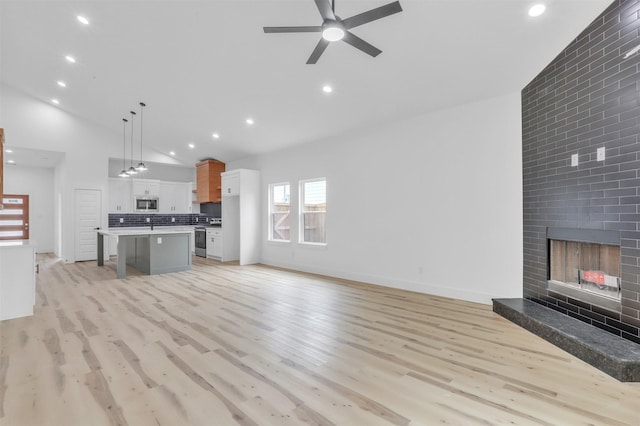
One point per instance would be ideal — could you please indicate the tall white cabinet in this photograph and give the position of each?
(241, 216)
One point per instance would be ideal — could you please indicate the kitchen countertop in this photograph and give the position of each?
(146, 231)
(17, 243)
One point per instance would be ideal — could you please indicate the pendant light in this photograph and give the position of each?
(132, 170)
(141, 167)
(124, 173)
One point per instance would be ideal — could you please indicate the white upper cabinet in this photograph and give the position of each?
(119, 195)
(175, 197)
(149, 187)
(230, 183)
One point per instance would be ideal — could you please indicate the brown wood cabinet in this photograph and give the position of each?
(208, 181)
(1, 166)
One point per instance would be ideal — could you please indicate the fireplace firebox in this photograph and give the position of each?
(585, 266)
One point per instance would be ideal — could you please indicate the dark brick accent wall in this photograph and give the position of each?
(130, 220)
(588, 97)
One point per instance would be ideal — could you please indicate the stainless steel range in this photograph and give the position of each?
(201, 235)
(201, 240)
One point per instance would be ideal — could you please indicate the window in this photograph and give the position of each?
(313, 211)
(279, 209)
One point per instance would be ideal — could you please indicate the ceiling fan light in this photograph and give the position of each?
(333, 32)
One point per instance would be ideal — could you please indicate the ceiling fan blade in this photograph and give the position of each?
(314, 29)
(326, 11)
(372, 15)
(320, 47)
(359, 43)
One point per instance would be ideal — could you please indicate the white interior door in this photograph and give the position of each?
(88, 208)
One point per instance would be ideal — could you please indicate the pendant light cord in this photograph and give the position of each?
(124, 143)
(132, 114)
(142, 105)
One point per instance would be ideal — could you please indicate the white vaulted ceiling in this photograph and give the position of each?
(206, 66)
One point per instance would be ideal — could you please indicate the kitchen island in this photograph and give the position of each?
(17, 278)
(150, 251)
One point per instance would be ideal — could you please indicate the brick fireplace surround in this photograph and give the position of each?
(587, 98)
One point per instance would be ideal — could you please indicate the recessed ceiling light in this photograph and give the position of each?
(62, 84)
(537, 10)
(70, 59)
(327, 89)
(191, 146)
(82, 19)
(55, 101)
(8, 151)
(172, 153)
(215, 136)
(249, 121)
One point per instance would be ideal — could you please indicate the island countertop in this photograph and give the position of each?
(17, 243)
(115, 232)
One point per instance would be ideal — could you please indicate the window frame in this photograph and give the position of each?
(271, 211)
(302, 211)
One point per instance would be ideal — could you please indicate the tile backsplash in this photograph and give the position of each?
(129, 220)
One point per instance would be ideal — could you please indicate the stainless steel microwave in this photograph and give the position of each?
(145, 204)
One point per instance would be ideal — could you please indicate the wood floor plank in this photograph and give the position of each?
(225, 344)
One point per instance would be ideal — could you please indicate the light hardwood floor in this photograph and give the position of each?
(226, 345)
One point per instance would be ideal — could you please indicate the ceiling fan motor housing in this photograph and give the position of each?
(333, 28)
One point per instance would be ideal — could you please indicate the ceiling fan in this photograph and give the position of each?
(333, 28)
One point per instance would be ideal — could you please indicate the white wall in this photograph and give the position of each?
(37, 182)
(431, 204)
(166, 172)
(30, 123)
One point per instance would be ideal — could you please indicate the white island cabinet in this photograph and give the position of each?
(17, 279)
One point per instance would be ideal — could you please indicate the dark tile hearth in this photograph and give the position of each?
(618, 357)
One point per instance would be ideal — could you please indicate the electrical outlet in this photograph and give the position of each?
(173, 219)
(159, 240)
(148, 220)
(122, 220)
(574, 160)
(600, 154)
